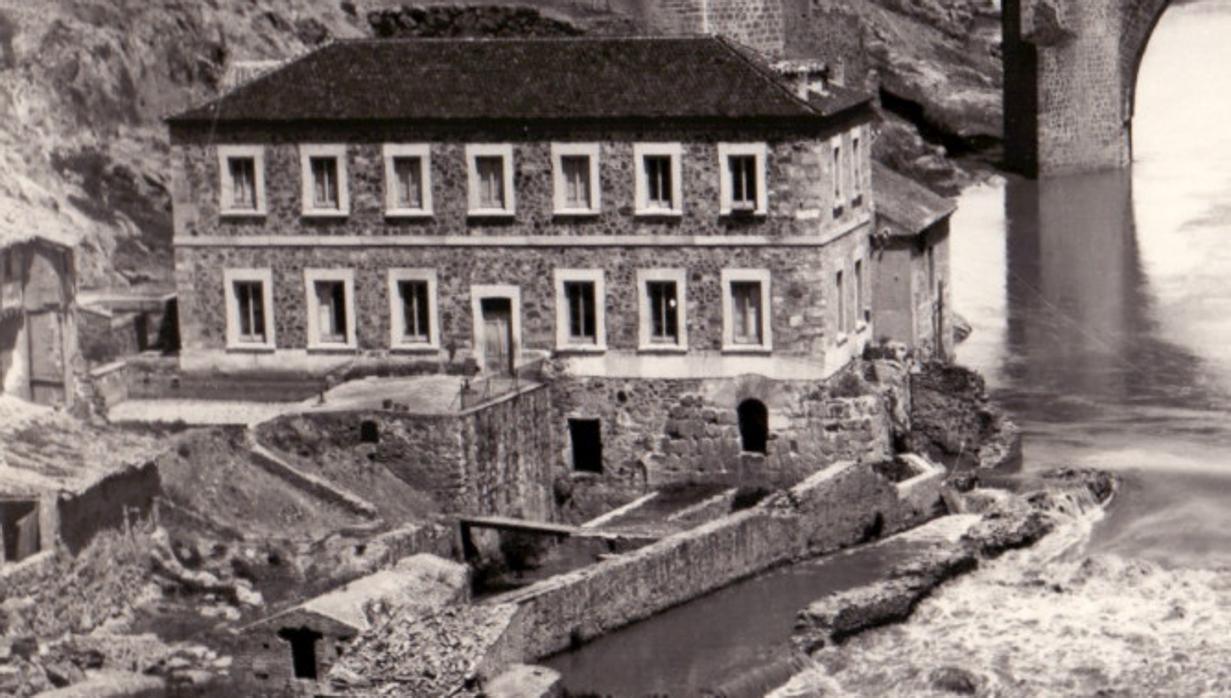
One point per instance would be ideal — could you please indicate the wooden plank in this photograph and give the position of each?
(511, 524)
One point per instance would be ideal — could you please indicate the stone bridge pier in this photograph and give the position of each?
(1070, 80)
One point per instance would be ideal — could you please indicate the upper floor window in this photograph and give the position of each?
(408, 186)
(324, 180)
(745, 310)
(856, 172)
(413, 310)
(249, 311)
(743, 188)
(658, 178)
(838, 199)
(663, 323)
(575, 174)
(490, 169)
(331, 308)
(242, 180)
(580, 310)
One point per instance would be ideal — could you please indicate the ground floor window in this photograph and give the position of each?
(580, 301)
(249, 300)
(663, 309)
(331, 313)
(587, 441)
(412, 297)
(746, 310)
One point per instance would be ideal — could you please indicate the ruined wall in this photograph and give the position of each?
(493, 459)
(104, 504)
(509, 449)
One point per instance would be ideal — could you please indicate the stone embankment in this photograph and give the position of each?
(1007, 522)
(843, 505)
(954, 421)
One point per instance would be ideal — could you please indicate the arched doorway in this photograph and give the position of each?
(753, 425)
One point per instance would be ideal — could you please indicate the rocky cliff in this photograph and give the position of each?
(84, 85)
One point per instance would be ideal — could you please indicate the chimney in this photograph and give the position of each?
(806, 78)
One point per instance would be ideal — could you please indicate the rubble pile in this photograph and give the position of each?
(433, 656)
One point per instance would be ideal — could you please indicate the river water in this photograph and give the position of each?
(1101, 308)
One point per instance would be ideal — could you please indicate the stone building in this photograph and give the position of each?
(911, 299)
(39, 359)
(290, 652)
(670, 235)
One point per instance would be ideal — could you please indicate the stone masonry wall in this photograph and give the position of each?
(801, 305)
(657, 432)
(494, 459)
(799, 175)
(844, 505)
(1070, 79)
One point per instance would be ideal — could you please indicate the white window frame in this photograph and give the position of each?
(559, 151)
(563, 341)
(474, 151)
(266, 278)
(642, 187)
(226, 187)
(725, 152)
(347, 278)
(680, 277)
(307, 151)
(860, 299)
(858, 146)
(761, 276)
(477, 293)
(397, 321)
(836, 157)
(391, 152)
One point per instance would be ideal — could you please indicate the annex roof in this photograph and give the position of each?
(46, 450)
(516, 79)
(906, 202)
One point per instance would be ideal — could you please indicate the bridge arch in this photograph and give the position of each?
(1070, 81)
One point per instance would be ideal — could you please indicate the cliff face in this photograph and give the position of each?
(84, 85)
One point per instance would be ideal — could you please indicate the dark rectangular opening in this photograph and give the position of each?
(587, 440)
(303, 650)
(19, 529)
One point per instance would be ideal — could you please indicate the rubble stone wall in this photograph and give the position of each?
(657, 432)
(104, 504)
(842, 506)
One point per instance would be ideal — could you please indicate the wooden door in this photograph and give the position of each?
(46, 335)
(497, 335)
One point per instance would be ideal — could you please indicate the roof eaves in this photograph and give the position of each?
(767, 75)
(198, 113)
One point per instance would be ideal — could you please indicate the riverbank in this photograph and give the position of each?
(993, 523)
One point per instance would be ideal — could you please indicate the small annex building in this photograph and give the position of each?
(39, 357)
(288, 653)
(911, 300)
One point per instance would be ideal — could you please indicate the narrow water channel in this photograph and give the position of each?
(1102, 313)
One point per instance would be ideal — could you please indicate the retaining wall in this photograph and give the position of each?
(845, 504)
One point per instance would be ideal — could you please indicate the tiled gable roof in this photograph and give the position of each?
(513, 79)
(906, 202)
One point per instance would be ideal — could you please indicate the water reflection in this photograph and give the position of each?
(1081, 336)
